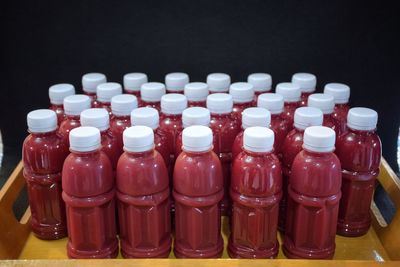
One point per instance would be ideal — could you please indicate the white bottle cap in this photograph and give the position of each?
(218, 82)
(42, 121)
(339, 91)
(152, 92)
(58, 92)
(262, 82)
(197, 138)
(173, 104)
(258, 139)
(145, 116)
(290, 91)
(363, 119)
(241, 92)
(319, 139)
(306, 81)
(122, 105)
(106, 91)
(220, 103)
(196, 91)
(272, 102)
(307, 116)
(90, 81)
(256, 117)
(176, 81)
(195, 116)
(138, 139)
(75, 104)
(322, 101)
(133, 81)
(96, 117)
(84, 139)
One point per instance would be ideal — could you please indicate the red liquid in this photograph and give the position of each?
(162, 145)
(256, 94)
(197, 104)
(340, 117)
(156, 105)
(70, 123)
(288, 113)
(135, 93)
(313, 206)
(93, 98)
(238, 109)
(360, 155)
(281, 128)
(59, 110)
(110, 147)
(291, 147)
(88, 192)
(198, 188)
(256, 189)
(237, 146)
(330, 122)
(105, 105)
(117, 126)
(224, 130)
(143, 205)
(304, 98)
(43, 155)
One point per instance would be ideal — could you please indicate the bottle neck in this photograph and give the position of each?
(257, 154)
(361, 132)
(317, 154)
(218, 115)
(86, 153)
(197, 153)
(73, 117)
(140, 154)
(43, 134)
(176, 116)
(121, 117)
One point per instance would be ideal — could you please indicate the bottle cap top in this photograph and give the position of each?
(306, 81)
(96, 117)
(256, 117)
(220, 103)
(196, 91)
(339, 91)
(106, 91)
(272, 102)
(176, 81)
(262, 82)
(195, 116)
(145, 116)
(307, 116)
(218, 82)
(42, 121)
(319, 139)
(84, 139)
(58, 92)
(258, 139)
(133, 81)
(75, 104)
(122, 105)
(241, 92)
(322, 101)
(173, 104)
(363, 119)
(152, 92)
(290, 91)
(138, 139)
(90, 81)
(197, 138)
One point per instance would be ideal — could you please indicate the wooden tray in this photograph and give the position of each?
(20, 247)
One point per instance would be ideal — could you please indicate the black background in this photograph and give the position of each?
(48, 42)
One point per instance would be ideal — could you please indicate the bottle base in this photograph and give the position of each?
(108, 253)
(239, 252)
(213, 253)
(296, 253)
(352, 230)
(49, 233)
(161, 252)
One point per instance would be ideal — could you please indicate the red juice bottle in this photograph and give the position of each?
(121, 108)
(307, 83)
(73, 106)
(143, 197)
(132, 83)
(99, 118)
(198, 189)
(192, 116)
(325, 103)
(274, 104)
(313, 197)
(105, 92)
(251, 117)
(43, 154)
(57, 93)
(359, 151)
(88, 192)
(150, 95)
(256, 189)
(175, 82)
(196, 94)
(90, 81)
(218, 82)
(225, 130)
(243, 96)
(303, 117)
(261, 82)
(291, 98)
(341, 95)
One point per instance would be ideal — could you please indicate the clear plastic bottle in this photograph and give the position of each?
(196, 94)
(243, 96)
(262, 83)
(90, 81)
(150, 94)
(341, 95)
(291, 98)
(307, 83)
(105, 92)
(57, 93)
(218, 82)
(175, 82)
(326, 104)
(132, 83)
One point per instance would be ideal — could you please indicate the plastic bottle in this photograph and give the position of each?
(261, 82)
(218, 82)
(175, 82)
(225, 130)
(307, 83)
(57, 93)
(243, 96)
(359, 151)
(192, 116)
(132, 83)
(43, 154)
(198, 188)
(88, 192)
(150, 94)
(105, 92)
(303, 117)
(121, 108)
(280, 126)
(143, 197)
(256, 189)
(73, 106)
(325, 103)
(98, 118)
(196, 94)
(341, 95)
(250, 117)
(313, 197)
(291, 98)
(90, 81)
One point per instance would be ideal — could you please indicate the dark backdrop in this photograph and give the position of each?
(47, 42)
